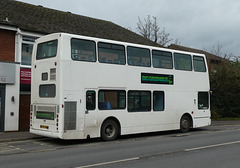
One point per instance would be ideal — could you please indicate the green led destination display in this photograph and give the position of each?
(156, 78)
(45, 115)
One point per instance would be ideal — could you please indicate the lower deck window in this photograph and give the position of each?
(48, 90)
(90, 100)
(139, 101)
(158, 100)
(203, 100)
(111, 99)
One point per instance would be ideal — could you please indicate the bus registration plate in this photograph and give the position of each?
(44, 126)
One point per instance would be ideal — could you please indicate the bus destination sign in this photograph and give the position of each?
(156, 78)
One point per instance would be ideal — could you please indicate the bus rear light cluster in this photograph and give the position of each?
(31, 118)
(57, 120)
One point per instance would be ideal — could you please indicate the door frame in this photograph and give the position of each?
(2, 105)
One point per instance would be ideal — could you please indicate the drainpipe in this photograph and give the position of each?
(18, 45)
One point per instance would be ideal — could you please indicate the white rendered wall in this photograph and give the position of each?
(12, 106)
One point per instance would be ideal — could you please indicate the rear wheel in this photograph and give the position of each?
(185, 124)
(109, 130)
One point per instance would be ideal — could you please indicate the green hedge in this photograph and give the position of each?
(225, 87)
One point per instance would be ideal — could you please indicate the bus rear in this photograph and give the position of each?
(45, 104)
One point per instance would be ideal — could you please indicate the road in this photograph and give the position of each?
(214, 146)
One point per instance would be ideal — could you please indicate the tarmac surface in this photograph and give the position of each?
(21, 136)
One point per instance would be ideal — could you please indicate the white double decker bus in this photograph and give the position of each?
(85, 87)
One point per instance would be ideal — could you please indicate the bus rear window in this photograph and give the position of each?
(47, 49)
(47, 91)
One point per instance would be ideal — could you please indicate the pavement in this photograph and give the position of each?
(22, 136)
(17, 136)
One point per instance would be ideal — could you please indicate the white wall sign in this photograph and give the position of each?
(7, 72)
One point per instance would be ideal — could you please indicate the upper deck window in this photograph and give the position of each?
(162, 59)
(199, 64)
(138, 56)
(83, 50)
(111, 53)
(47, 49)
(183, 62)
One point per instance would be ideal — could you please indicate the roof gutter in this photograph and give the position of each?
(7, 27)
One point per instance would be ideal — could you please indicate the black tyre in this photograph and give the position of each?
(109, 130)
(185, 124)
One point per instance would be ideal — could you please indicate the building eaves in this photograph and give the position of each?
(208, 55)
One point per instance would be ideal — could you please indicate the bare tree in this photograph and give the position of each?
(219, 51)
(145, 28)
(177, 42)
(150, 29)
(164, 37)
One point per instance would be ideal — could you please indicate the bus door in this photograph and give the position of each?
(90, 110)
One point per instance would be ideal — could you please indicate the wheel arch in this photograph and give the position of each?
(114, 119)
(189, 116)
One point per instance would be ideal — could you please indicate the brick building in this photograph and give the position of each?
(20, 25)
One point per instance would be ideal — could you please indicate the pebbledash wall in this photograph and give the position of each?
(15, 77)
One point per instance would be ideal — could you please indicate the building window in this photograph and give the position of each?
(27, 48)
(26, 54)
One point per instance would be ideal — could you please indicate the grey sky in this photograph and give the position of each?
(196, 23)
